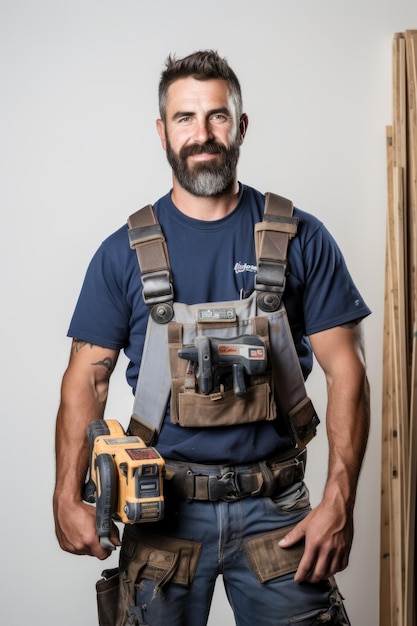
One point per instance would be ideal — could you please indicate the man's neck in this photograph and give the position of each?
(202, 208)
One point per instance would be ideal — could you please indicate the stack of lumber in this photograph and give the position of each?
(399, 407)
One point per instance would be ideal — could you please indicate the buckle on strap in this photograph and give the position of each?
(225, 488)
(270, 284)
(264, 478)
(271, 275)
(158, 295)
(157, 287)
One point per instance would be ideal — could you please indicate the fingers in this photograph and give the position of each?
(76, 531)
(327, 546)
(83, 543)
(293, 536)
(320, 565)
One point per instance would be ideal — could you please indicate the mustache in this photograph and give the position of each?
(210, 147)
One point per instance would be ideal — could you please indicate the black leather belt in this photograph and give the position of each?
(191, 481)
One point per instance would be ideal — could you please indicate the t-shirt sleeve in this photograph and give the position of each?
(331, 297)
(101, 315)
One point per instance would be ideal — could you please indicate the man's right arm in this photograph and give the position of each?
(83, 399)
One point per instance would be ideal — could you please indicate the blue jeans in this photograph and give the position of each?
(259, 587)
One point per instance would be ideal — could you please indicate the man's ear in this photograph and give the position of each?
(243, 126)
(160, 127)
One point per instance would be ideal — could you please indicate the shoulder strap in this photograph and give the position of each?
(272, 236)
(147, 238)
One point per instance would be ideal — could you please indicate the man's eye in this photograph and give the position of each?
(218, 117)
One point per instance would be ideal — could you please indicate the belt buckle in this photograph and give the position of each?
(224, 487)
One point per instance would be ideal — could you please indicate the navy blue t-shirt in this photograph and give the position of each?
(215, 261)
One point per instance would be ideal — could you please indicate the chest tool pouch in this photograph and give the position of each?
(220, 363)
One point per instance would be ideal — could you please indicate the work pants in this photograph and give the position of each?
(174, 582)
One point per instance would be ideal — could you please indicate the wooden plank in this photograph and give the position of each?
(402, 322)
(410, 542)
(400, 217)
(399, 426)
(385, 594)
(397, 399)
(394, 466)
(400, 351)
(396, 350)
(410, 547)
(411, 62)
(399, 102)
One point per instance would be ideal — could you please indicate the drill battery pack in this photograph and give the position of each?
(125, 478)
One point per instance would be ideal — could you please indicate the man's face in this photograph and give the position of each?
(201, 136)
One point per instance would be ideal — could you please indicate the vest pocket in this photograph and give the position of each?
(223, 408)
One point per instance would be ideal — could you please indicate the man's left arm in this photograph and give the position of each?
(328, 528)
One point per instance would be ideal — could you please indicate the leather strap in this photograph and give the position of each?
(147, 238)
(272, 237)
(214, 483)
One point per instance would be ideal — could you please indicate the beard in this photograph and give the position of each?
(205, 179)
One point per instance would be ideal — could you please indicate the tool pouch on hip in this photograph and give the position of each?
(107, 589)
(148, 556)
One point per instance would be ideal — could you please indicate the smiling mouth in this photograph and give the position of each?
(204, 156)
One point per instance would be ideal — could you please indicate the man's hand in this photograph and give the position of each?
(76, 529)
(328, 533)
(83, 399)
(328, 529)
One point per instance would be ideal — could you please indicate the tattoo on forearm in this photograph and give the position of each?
(107, 363)
(78, 344)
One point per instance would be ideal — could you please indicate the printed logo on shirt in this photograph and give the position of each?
(244, 267)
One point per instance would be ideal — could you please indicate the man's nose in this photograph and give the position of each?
(202, 131)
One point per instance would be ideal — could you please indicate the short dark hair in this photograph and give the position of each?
(201, 65)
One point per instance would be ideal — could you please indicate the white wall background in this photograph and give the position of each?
(79, 152)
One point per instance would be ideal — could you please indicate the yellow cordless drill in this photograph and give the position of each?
(125, 478)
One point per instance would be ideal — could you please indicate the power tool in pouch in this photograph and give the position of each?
(125, 480)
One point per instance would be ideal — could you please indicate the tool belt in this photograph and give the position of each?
(192, 481)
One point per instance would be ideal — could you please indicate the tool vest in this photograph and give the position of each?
(220, 363)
